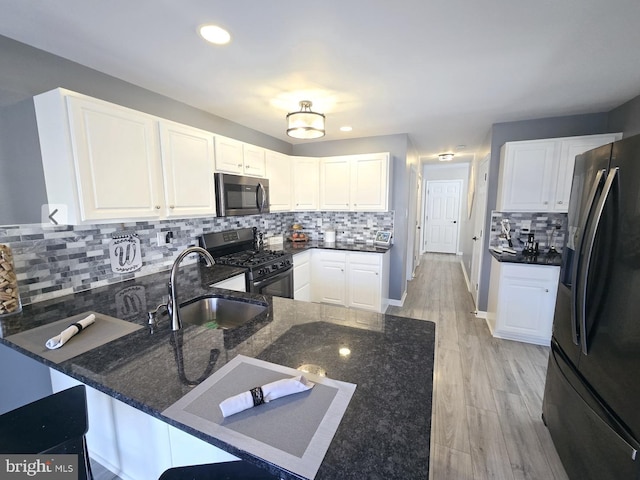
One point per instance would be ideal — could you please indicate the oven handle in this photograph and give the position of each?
(281, 274)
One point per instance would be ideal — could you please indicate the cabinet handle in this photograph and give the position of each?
(560, 202)
(546, 203)
(240, 165)
(546, 290)
(171, 207)
(157, 207)
(247, 166)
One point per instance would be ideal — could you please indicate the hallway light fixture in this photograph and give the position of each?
(445, 157)
(305, 124)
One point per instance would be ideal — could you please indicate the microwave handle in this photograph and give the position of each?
(261, 203)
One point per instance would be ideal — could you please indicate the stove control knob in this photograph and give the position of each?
(274, 267)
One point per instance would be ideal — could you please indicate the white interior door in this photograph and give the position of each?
(443, 215)
(479, 214)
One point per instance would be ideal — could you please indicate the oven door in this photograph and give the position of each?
(279, 285)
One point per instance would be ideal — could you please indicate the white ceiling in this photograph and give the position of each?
(442, 71)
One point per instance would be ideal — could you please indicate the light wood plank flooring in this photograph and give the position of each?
(488, 392)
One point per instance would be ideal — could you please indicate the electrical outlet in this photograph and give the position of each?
(525, 226)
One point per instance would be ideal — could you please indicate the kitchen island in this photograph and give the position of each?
(385, 431)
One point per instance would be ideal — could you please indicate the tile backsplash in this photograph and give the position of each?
(52, 261)
(550, 229)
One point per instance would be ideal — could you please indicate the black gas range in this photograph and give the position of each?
(268, 271)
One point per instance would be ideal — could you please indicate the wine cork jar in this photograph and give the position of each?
(9, 295)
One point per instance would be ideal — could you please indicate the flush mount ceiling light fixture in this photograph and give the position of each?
(445, 157)
(305, 124)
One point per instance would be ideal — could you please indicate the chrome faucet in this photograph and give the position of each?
(172, 305)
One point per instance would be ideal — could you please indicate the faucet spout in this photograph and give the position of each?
(173, 306)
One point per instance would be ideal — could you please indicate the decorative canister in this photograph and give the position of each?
(9, 295)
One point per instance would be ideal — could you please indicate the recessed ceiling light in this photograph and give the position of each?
(346, 128)
(215, 34)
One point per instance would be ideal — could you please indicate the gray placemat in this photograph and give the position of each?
(293, 432)
(104, 330)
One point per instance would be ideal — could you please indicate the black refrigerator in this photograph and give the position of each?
(591, 402)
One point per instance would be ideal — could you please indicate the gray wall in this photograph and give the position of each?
(626, 118)
(401, 157)
(567, 126)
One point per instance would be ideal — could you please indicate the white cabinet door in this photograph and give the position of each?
(237, 283)
(254, 161)
(335, 184)
(569, 149)
(302, 276)
(305, 183)
(188, 166)
(522, 301)
(528, 176)
(279, 174)
(370, 182)
(117, 160)
(364, 280)
(229, 155)
(329, 277)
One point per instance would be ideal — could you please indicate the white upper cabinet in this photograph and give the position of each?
(279, 173)
(254, 161)
(335, 184)
(370, 182)
(305, 183)
(528, 175)
(536, 175)
(229, 155)
(355, 183)
(105, 162)
(188, 165)
(101, 161)
(233, 156)
(569, 149)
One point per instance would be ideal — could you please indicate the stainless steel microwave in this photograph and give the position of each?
(240, 195)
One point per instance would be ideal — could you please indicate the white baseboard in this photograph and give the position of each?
(481, 314)
(466, 278)
(398, 303)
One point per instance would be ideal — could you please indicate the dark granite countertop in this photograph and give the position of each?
(385, 431)
(554, 259)
(297, 247)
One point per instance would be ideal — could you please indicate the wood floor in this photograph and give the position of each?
(487, 392)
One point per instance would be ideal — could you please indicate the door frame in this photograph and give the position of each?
(479, 211)
(460, 182)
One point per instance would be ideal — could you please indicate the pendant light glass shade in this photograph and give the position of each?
(305, 124)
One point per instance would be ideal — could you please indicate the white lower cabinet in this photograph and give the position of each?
(237, 283)
(351, 279)
(302, 276)
(522, 301)
(133, 444)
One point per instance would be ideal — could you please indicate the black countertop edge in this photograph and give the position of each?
(297, 247)
(140, 369)
(549, 259)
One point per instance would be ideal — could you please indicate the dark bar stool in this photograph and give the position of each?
(55, 424)
(218, 471)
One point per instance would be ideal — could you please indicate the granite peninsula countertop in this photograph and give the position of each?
(385, 431)
(297, 247)
(553, 259)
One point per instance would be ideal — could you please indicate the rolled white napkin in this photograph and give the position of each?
(70, 331)
(264, 394)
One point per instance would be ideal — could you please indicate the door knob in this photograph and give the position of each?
(454, 221)
(475, 238)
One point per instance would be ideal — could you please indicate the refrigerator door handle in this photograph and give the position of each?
(613, 174)
(575, 321)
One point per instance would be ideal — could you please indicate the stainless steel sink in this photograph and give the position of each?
(218, 312)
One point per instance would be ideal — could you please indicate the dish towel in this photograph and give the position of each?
(264, 394)
(70, 331)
